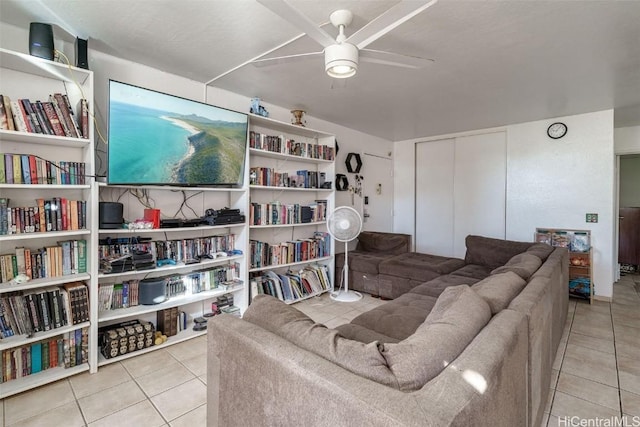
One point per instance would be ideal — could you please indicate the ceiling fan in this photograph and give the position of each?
(342, 54)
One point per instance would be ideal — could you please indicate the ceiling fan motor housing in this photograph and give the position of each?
(341, 60)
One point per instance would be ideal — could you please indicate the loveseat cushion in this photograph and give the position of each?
(291, 324)
(398, 318)
(435, 287)
(541, 250)
(473, 271)
(492, 252)
(524, 265)
(415, 265)
(498, 290)
(362, 334)
(457, 317)
(389, 243)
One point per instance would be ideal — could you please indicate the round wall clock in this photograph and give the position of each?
(557, 130)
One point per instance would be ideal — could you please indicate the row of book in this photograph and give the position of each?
(52, 117)
(68, 257)
(67, 350)
(181, 251)
(44, 309)
(300, 179)
(280, 144)
(32, 169)
(265, 254)
(55, 214)
(276, 213)
(292, 286)
(113, 296)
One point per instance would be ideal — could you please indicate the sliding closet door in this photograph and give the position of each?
(479, 188)
(434, 197)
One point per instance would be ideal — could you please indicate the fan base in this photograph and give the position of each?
(348, 296)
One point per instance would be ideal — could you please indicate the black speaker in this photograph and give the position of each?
(82, 59)
(152, 291)
(41, 40)
(110, 215)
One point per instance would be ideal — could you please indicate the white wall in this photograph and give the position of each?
(549, 183)
(627, 140)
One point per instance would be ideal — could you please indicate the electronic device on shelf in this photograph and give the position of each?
(223, 216)
(163, 262)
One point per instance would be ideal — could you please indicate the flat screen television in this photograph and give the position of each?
(161, 139)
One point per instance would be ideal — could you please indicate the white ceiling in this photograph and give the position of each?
(496, 62)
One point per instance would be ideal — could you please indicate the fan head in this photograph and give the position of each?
(344, 224)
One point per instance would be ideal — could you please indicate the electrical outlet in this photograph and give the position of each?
(592, 217)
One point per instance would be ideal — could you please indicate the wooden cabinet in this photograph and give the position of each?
(629, 243)
(578, 243)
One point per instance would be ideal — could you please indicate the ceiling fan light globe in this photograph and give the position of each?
(341, 60)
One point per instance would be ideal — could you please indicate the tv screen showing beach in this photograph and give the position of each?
(161, 139)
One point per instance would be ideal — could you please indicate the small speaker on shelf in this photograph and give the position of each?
(110, 215)
(41, 40)
(82, 58)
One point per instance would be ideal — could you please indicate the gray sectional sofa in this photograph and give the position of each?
(454, 350)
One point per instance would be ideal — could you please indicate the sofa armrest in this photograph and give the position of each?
(255, 377)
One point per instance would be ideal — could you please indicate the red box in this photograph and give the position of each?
(152, 215)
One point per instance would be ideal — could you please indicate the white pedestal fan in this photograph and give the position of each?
(344, 225)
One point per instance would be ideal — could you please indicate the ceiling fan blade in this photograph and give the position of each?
(392, 18)
(293, 15)
(395, 59)
(288, 59)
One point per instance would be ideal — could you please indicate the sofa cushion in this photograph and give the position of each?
(291, 324)
(474, 271)
(389, 243)
(457, 317)
(366, 262)
(500, 289)
(398, 318)
(541, 250)
(434, 288)
(492, 252)
(362, 334)
(524, 265)
(415, 265)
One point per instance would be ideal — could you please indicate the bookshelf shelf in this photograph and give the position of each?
(317, 294)
(25, 77)
(45, 187)
(169, 230)
(122, 313)
(173, 268)
(12, 387)
(303, 224)
(286, 157)
(40, 139)
(270, 188)
(272, 267)
(35, 66)
(47, 281)
(176, 339)
(176, 188)
(19, 340)
(44, 235)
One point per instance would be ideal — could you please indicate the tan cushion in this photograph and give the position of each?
(457, 317)
(500, 289)
(524, 265)
(288, 322)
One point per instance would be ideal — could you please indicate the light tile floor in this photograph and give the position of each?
(596, 374)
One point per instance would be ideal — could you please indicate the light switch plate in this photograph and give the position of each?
(592, 217)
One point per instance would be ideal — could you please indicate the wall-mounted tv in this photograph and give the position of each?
(161, 139)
